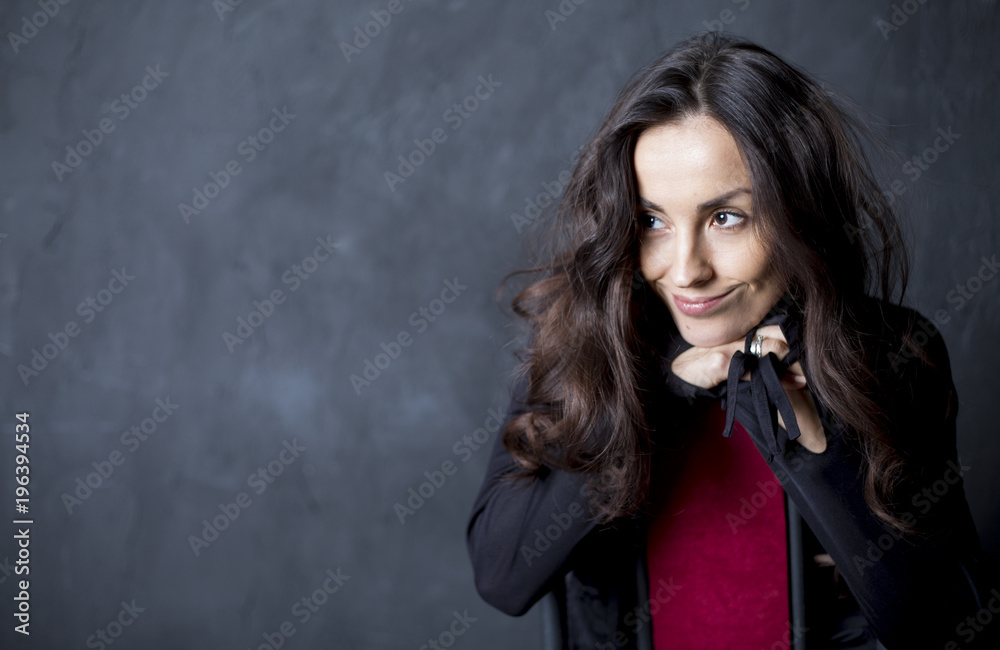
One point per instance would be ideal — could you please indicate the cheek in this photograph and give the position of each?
(751, 264)
(650, 261)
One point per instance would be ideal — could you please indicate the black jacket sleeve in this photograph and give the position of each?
(521, 535)
(917, 591)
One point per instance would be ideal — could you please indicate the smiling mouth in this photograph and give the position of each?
(698, 306)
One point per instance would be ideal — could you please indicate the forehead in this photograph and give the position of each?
(687, 161)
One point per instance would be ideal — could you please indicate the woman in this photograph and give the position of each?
(723, 242)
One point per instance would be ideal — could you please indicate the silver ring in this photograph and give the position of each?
(757, 345)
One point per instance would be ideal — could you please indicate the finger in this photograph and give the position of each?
(771, 332)
(779, 348)
(774, 341)
(794, 382)
(823, 559)
(795, 377)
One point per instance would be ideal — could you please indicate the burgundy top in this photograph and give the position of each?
(717, 546)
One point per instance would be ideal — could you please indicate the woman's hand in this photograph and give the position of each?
(709, 367)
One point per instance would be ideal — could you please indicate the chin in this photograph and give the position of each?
(700, 340)
(707, 334)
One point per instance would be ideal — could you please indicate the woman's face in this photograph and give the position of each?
(698, 249)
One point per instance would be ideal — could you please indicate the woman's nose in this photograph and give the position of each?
(691, 264)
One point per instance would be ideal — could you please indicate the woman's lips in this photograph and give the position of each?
(698, 306)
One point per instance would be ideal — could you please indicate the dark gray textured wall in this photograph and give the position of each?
(316, 185)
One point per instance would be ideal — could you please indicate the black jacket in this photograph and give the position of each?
(914, 592)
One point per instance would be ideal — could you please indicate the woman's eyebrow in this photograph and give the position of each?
(703, 207)
(722, 199)
(649, 205)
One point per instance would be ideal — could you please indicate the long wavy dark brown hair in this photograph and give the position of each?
(836, 242)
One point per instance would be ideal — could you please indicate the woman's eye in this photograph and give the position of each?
(650, 222)
(728, 220)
